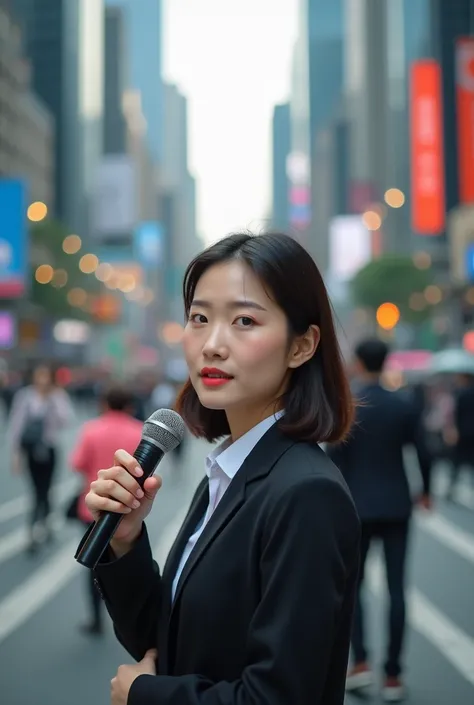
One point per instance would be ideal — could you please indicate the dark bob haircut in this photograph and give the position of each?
(318, 403)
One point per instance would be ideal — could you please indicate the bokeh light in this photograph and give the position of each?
(44, 274)
(417, 301)
(37, 211)
(60, 278)
(72, 244)
(394, 198)
(433, 294)
(172, 332)
(372, 220)
(104, 271)
(88, 263)
(77, 297)
(387, 316)
(422, 260)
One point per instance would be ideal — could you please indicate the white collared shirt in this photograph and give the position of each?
(222, 465)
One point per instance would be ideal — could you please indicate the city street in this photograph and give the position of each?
(45, 660)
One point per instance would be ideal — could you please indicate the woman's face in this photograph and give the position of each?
(236, 330)
(42, 378)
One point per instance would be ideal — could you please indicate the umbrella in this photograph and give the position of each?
(455, 361)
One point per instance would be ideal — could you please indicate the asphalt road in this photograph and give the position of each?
(45, 660)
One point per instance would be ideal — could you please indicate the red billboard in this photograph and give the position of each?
(465, 117)
(427, 151)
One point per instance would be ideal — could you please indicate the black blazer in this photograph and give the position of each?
(371, 461)
(263, 608)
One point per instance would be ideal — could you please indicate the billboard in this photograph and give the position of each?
(465, 117)
(350, 247)
(149, 244)
(114, 200)
(13, 238)
(427, 151)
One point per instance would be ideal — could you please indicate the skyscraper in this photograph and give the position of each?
(63, 41)
(281, 128)
(316, 98)
(116, 80)
(144, 48)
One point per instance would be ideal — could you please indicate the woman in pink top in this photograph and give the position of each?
(95, 449)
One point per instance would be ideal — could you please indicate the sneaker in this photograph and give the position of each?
(393, 690)
(359, 677)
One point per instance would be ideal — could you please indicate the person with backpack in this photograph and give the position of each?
(40, 412)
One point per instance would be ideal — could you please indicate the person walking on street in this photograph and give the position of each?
(94, 450)
(372, 464)
(39, 413)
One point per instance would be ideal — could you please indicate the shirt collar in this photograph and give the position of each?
(231, 456)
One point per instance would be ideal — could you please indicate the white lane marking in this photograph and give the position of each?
(449, 639)
(17, 540)
(37, 590)
(20, 505)
(463, 494)
(447, 533)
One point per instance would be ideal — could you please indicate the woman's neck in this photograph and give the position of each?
(242, 421)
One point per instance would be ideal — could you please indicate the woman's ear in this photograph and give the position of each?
(304, 347)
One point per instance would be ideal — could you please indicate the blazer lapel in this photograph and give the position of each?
(257, 464)
(195, 514)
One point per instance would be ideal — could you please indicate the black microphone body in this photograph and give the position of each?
(148, 454)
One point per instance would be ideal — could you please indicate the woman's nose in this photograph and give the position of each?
(215, 345)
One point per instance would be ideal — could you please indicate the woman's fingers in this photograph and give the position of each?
(127, 461)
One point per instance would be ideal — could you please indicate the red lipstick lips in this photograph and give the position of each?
(213, 377)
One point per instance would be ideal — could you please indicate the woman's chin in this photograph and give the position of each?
(212, 404)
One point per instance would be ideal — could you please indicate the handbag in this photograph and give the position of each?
(32, 435)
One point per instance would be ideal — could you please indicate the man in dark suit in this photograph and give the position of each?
(462, 454)
(373, 466)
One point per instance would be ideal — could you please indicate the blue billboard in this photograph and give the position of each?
(469, 260)
(13, 238)
(149, 243)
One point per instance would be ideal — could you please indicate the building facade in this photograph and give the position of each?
(179, 194)
(26, 125)
(144, 30)
(281, 147)
(63, 40)
(116, 80)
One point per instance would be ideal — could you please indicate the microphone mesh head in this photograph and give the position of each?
(166, 427)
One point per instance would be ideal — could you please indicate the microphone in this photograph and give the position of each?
(162, 432)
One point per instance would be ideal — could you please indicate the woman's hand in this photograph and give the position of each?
(117, 490)
(121, 684)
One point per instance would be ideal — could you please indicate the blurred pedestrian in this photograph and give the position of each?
(372, 463)
(462, 431)
(94, 450)
(39, 413)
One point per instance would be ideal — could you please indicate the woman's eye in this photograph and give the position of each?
(197, 318)
(245, 321)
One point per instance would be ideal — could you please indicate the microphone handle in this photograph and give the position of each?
(97, 538)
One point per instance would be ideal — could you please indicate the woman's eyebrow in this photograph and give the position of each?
(230, 304)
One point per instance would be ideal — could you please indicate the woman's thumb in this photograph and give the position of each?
(151, 487)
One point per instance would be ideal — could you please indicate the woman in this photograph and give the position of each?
(94, 449)
(40, 411)
(254, 604)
